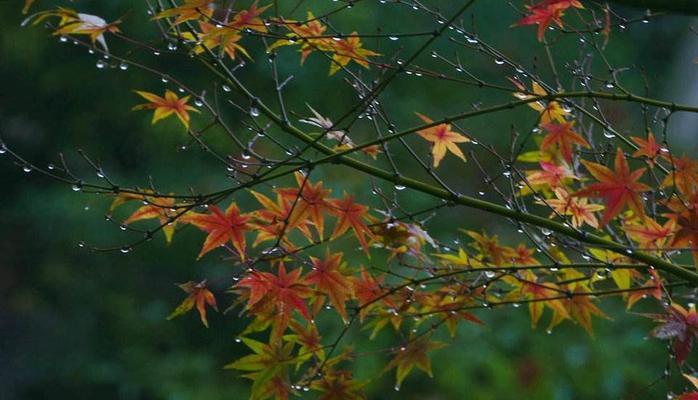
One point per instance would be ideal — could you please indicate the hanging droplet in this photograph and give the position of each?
(499, 61)
(608, 134)
(254, 112)
(172, 46)
(393, 38)
(198, 102)
(400, 187)
(100, 64)
(27, 169)
(397, 388)
(76, 187)
(125, 249)
(81, 244)
(226, 88)
(3, 149)
(123, 66)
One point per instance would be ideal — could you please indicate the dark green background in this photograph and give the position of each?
(82, 325)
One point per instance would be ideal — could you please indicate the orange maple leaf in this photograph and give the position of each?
(249, 19)
(166, 106)
(310, 201)
(684, 175)
(443, 139)
(161, 208)
(309, 36)
(351, 215)
(327, 277)
(190, 10)
(550, 174)
(414, 354)
(578, 208)
(222, 228)
(347, 50)
(648, 233)
(619, 188)
(199, 296)
(647, 148)
(564, 136)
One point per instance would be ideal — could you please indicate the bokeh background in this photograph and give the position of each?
(83, 325)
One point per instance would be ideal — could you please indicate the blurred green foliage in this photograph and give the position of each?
(81, 325)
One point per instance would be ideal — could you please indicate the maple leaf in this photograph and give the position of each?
(683, 175)
(249, 19)
(310, 203)
(282, 293)
(212, 36)
(550, 175)
(160, 208)
(400, 238)
(347, 50)
(490, 249)
(190, 10)
(581, 308)
(221, 228)
(680, 326)
(166, 106)
(649, 234)
(443, 139)
(74, 23)
(545, 13)
(414, 354)
(653, 288)
(268, 368)
(328, 278)
(272, 220)
(367, 290)
(647, 148)
(309, 340)
(351, 215)
(578, 208)
(619, 188)
(564, 136)
(550, 112)
(308, 35)
(524, 256)
(539, 296)
(199, 296)
(339, 386)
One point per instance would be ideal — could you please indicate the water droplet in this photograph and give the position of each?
(51, 167)
(546, 232)
(608, 134)
(226, 88)
(63, 39)
(100, 64)
(172, 46)
(3, 149)
(125, 249)
(393, 38)
(27, 169)
(400, 187)
(198, 102)
(238, 340)
(254, 112)
(123, 66)
(499, 61)
(123, 227)
(81, 244)
(397, 388)
(489, 274)
(76, 187)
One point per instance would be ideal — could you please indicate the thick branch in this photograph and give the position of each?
(689, 7)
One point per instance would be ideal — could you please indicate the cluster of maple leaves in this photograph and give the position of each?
(283, 291)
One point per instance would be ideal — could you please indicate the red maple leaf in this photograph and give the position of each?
(647, 148)
(222, 228)
(329, 280)
(351, 215)
(564, 136)
(619, 188)
(279, 294)
(199, 296)
(547, 12)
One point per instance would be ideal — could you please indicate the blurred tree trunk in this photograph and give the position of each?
(674, 6)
